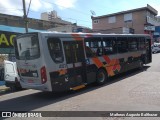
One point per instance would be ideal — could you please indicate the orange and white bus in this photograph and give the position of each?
(69, 61)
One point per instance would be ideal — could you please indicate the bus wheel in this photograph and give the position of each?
(101, 77)
(140, 65)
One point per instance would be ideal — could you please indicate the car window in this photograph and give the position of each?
(9, 68)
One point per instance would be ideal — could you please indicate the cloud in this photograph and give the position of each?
(35, 5)
(40, 5)
(11, 7)
(15, 7)
(65, 4)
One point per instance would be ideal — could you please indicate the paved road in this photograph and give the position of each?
(133, 91)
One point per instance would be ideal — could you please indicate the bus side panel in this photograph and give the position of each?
(59, 82)
(133, 60)
(115, 64)
(91, 73)
(126, 61)
(65, 79)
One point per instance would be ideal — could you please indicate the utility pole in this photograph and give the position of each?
(25, 16)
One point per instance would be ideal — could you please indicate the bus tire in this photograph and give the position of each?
(141, 65)
(101, 77)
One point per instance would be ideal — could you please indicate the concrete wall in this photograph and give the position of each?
(137, 23)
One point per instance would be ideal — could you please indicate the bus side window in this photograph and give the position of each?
(89, 52)
(96, 46)
(122, 44)
(55, 49)
(93, 46)
(132, 44)
(109, 46)
(68, 54)
(141, 43)
(74, 51)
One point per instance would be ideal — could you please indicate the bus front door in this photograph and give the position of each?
(75, 60)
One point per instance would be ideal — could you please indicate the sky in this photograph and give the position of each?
(75, 11)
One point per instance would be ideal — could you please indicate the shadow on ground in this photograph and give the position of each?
(40, 99)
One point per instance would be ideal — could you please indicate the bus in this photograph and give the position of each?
(50, 61)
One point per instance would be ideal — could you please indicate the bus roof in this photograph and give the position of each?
(90, 34)
(84, 34)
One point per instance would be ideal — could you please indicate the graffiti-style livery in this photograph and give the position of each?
(69, 61)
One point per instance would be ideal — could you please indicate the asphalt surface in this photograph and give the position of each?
(137, 90)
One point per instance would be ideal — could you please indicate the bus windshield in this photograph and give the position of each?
(27, 47)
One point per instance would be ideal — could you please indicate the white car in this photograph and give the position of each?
(156, 47)
(11, 76)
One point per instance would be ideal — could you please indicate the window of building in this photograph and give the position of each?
(95, 21)
(128, 17)
(112, 19)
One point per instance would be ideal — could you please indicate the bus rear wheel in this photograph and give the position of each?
(141, 65)
(101, 77)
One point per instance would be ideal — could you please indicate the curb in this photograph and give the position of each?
(4, 89)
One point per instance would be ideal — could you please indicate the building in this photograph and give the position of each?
(11, 25)
(71, 28)
(49, 16)
(138, 21)
(17, 21)
(157, 34)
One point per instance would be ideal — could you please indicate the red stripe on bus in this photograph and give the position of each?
(97, 62)
(88, 35)
(110, 71)
(118, 67)
(107, 59)
(77, 37)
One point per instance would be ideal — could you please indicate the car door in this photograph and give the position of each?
(9, 71)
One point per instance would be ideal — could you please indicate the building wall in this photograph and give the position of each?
(71, 28)
(137, 23)
(17, 21)
(66, 28)
(49, 16)
(44, 16)
(157, 34)
(139, 19)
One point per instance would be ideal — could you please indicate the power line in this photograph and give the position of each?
(29, 7)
